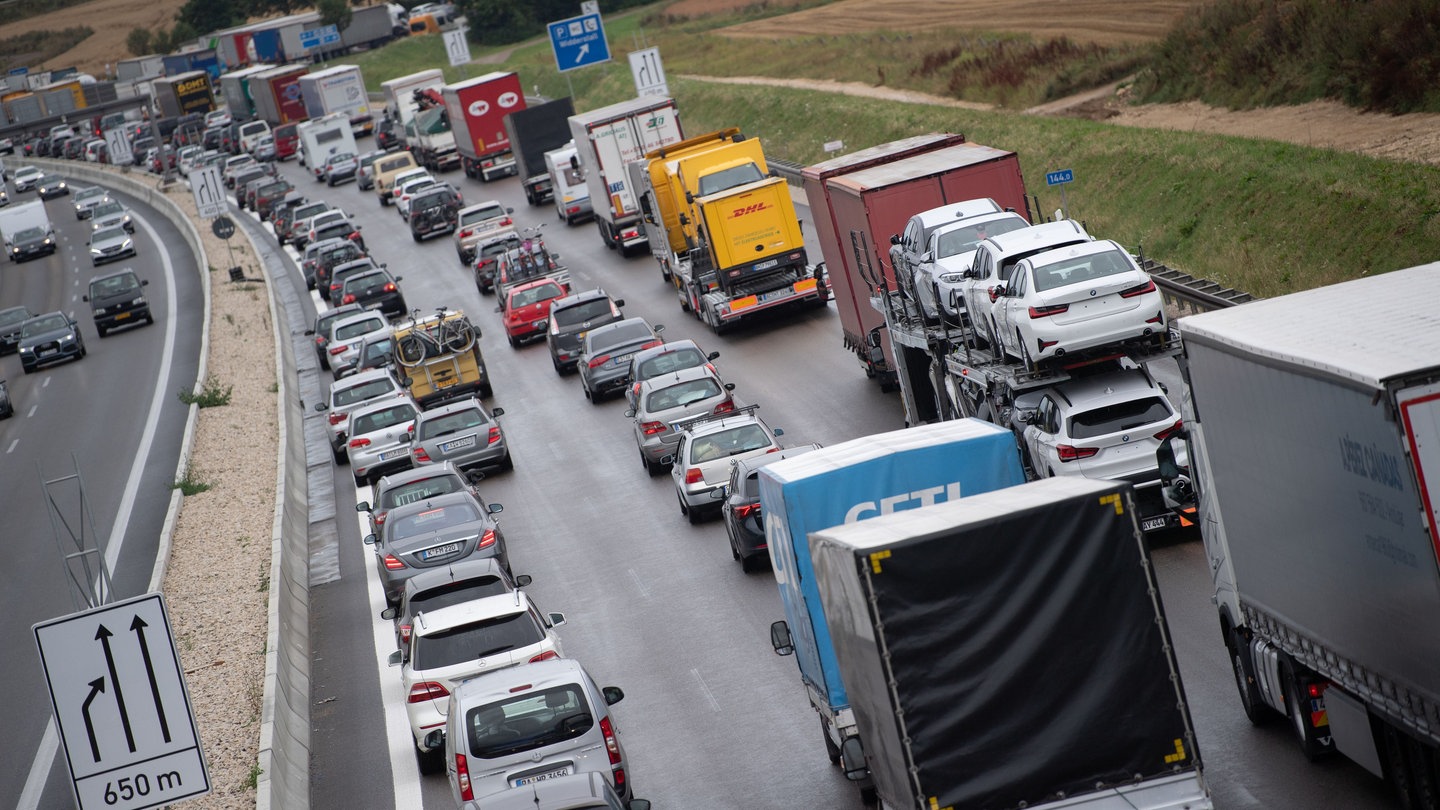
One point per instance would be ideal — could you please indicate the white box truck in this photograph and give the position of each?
(340, 89)
(609, 138)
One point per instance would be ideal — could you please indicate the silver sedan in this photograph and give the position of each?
(461, 433)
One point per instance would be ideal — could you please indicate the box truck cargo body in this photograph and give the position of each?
(276, 93)
(339, 89)
(184, 94)
(534, 131)
(476, 109)
(606, 141)
(1007, 650)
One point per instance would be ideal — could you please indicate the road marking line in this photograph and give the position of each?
(32, 410)
(44, 383)
(709, 696)
(11, 448)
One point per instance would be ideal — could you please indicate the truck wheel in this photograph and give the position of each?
(1297, 709)
(1398, 773)
(831, 748)
(1250, 700)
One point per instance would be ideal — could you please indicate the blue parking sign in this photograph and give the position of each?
(579, 42)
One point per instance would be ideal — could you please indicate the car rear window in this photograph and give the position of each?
(13, 316)
(482, 214)
(364, 391)
(432, 520)
(730, 442)
(500, 246)
(379, 420)
(451, 423)
(454, 593)
(622, 332)
(395, 163)
(114, 285)
(683, 394)
(358, 328)
(470, 642)
(668, 362)
(420, 490)
(1076, 270)
(366, 284)
(533, 720)
(582, 312)
(534, 295)
(1120, 416)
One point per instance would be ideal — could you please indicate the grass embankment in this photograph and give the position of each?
(1260, 216)
(36, 47)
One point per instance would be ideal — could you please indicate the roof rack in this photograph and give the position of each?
(693, 421)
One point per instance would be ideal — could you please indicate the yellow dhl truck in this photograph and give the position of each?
(723, 229)
(439, 359)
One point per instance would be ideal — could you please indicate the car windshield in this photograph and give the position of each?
(420, 490)
(106, 234)
(363, 391)
(730, 442)
(534, 295)
(533, 720)
(340, 254)
(340, 157)
(47, 323)
(89, 193)
(1120, 416)
(29, 233)
(113, 285)
(105, 209)
(338, 229)
(471, 642)
(454, 593)
(668, 362)
(729, 178)
(346, 331)
(11, 317)
(452, 423)
(1080, 269)
(580, 313)
(432, 520)
(683, 394)
(626, 331)
(966, 239)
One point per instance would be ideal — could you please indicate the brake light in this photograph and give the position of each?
(1045, 312)
(548, 655)
(354, 236)
(380, 519)
(725, 407)
(574, 209)
(422, 456)
(360, 442)
(694, 476)
(348, 299)
(336, 417)
(1139, 289)
(599, 361)
(1072, 453)
(390, 286)
(612, 745)
(427, 690)
(393, 563)
(337, 349)
(1170, 431)
(651, 428)
(494, 435)
(746, 510)
(404, 634)
(487, 539)
(462, 778)
(507, 221)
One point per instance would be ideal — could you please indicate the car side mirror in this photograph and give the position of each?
(630, 412)
(556, 619)
(394, 661)
(712, 355)
(667, 459)
(720, 494)
(494, 508)
(780, 638)
(1025, 417)
(389, 613)
(995, 293)
(638, 804)
(407, 438)
(521, 580)
(619, 302)
(894, 238)
(398, 279)
(612, 694)
(371, 539)
(779, 431)
(729, 386)
(497, 411)
(659, 327)
(363, 506)
(509, 210)
(435, 739)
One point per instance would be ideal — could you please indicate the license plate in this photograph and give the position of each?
(624, 358)
(774, 294)
(541, 777)
(440, 551)
(389, 454)
(46, 352)
(468, 441)
(122, 316)
(1150, 524)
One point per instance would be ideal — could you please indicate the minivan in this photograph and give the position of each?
(117, 299)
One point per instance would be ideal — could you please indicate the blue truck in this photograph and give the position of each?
(854, 481)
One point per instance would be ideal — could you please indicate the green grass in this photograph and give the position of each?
(1259, 216)
(38, 47)
(210, 395)
(191, 483)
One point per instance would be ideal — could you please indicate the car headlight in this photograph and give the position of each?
(95, 251)
(951, 278)
(129, 245)
(47, 240)
(139, 299)
(68, 336)
(26, 349)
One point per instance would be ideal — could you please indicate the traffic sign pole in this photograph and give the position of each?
(1062, 178)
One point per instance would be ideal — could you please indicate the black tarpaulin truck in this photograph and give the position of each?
(534, 131)
(1009, 650)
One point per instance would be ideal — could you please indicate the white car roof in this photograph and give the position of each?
(474, 610)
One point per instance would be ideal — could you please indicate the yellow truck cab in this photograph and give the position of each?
(387, 167)
(440, 367)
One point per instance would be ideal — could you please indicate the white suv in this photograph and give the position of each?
(450, 645)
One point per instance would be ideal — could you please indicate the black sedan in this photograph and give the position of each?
(741, 509)
(31, 242)
(49, 338)
(375, 289)
(11, 319)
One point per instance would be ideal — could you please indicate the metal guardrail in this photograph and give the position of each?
(1184, 294)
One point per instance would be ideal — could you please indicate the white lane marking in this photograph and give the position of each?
(45, 383)
(32, 410)
(45, 755)
(639, 584)
(403, 768)
(709, 696)
(11, 448)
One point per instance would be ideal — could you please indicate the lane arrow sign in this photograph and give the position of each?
(103, 635)
(138, 626)
(96, 687)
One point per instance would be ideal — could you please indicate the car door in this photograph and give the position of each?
(1004, 311)
(1041, 437)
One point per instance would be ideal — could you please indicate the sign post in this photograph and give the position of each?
(122, 707)
(1061, 178)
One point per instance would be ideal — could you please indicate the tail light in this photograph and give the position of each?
(487, 539)
(426, 691)
(494, 435)
(380, 519)
(612, 745)
(393, 563)
(554, 327)
(1045, 312)
(389, 286)
(599, 361)
(725, 407)
(466, 234)
(1159, 318)
(652, 344)
(574, 209)
(348, 299)
(358, 443)
(651, 428)
(422, 456)
(694, 476)
(1072, 453)
(336, 417)
(1170, 431)
(506, 222)
(337, 349)
(772, 450)
(746, 510)
(548, 655)
(462, 778)
(404, 634)
(353, 236)
(1139, 289)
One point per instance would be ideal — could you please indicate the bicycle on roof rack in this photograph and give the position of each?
(447, 332)
(693, 421)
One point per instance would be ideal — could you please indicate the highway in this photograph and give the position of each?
(113, 419)
(712, 717)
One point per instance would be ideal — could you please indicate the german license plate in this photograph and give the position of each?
(458, 444)
(439, 551)
(389, 454)
(541, 777)
(1151, 524)
(47, 352)
(624, 358)
(774, 294)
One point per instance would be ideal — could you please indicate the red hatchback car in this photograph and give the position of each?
(526, 308)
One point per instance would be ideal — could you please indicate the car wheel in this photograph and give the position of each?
(101, 330)
(684, 509)
(430, 762)
(514, 344)
(558, 368)
(507, 463)
(83, 351)
(340, 454)
(654, 468)
(149, 319)
(26, 369)
(693, 515)
(486, 391)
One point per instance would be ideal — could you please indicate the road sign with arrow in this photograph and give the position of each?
(122, 707)
(579, 42)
